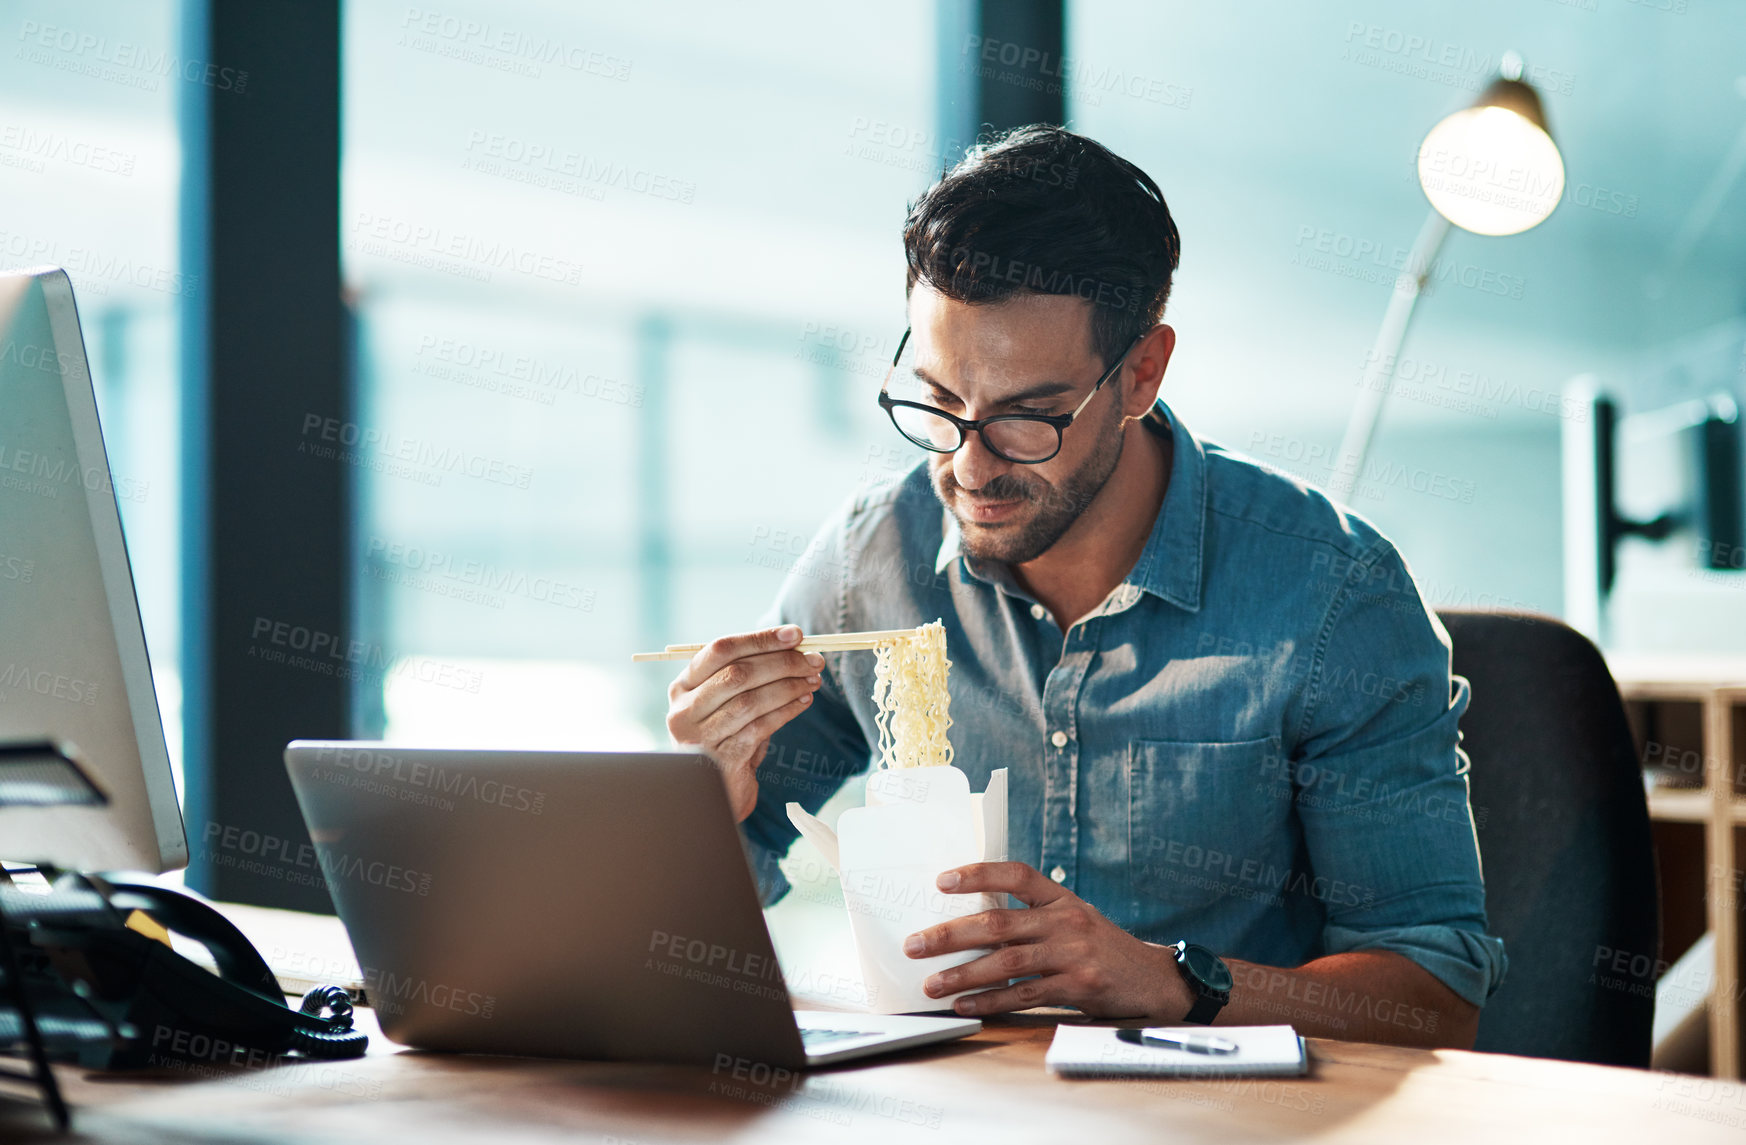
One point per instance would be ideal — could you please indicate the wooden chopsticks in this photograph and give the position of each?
(829, 642)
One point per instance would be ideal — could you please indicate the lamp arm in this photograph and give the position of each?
(1379, 369)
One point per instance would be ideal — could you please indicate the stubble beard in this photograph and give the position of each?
(1054, 507)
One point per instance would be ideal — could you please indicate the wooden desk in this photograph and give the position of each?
(990, 1088)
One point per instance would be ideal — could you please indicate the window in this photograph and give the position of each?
(90, 173)
(625, 279)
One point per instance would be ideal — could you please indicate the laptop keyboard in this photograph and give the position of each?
(814, 1037)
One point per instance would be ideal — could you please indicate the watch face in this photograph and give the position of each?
(1208, 967)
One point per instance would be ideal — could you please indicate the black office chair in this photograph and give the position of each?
(1563, 835)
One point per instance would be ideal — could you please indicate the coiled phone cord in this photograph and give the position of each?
(342, 1041)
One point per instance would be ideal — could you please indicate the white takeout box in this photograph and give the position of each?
(918, 821)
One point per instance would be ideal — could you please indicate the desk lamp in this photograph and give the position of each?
(1491, 169)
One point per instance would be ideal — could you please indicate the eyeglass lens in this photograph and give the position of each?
(1018, 440)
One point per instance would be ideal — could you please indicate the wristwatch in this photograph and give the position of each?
(1207, 976)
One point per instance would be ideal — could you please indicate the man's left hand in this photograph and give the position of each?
(1081, 958)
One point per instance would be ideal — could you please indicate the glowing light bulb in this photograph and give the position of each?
(1491, 171)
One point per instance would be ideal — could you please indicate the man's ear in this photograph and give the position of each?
(1144, 375)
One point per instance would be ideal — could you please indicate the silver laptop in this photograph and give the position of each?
(564, 904)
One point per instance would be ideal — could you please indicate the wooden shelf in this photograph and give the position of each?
(1680, 806)
(1658, 676)
(1689, 715)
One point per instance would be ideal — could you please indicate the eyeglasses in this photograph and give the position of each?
(1024, 438)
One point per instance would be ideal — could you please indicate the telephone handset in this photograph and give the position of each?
(90, 951)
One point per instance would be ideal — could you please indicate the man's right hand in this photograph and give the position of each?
(733, 696)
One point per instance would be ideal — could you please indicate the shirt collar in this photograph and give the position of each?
(951, 544)
(1170, 565)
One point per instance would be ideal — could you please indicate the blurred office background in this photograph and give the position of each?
(621, 281)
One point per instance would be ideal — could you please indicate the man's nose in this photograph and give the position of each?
(973, 466)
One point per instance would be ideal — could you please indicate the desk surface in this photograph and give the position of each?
(991, 1087)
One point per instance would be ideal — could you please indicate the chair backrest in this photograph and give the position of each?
(1564, 838)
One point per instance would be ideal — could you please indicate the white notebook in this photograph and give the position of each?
(1096, 1051)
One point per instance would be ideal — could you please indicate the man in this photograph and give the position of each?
(1227, 712)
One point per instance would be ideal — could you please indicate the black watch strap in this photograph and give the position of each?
(1205, 1009)
(1210, 996)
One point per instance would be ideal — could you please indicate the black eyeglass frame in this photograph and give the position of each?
(1060, 421)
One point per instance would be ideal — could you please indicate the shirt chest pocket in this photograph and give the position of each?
(1208, 821)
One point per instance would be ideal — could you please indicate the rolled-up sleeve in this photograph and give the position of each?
(810, 757)
(1381, 785)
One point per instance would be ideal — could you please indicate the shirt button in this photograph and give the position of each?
(1059, 874)
(1059, 739)
(1038, 612)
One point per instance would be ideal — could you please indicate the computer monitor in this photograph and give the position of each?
(1670, 476)
(73, 664)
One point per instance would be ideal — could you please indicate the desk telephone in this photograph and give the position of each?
(109, 992)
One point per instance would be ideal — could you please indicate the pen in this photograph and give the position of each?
(1178, 1040)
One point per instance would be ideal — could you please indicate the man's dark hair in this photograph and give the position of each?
(1044, 211)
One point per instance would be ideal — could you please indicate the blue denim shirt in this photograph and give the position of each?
(1250, 744)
